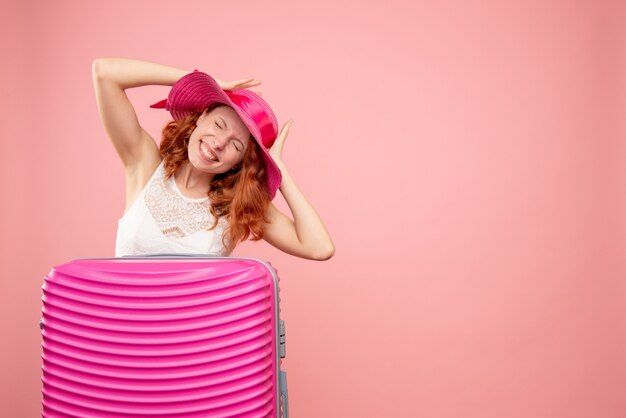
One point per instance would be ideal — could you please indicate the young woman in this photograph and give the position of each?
(209, 184)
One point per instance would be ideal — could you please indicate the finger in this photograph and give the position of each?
(245, 82)
(251, 82)
(246, 85)
(285, 128)
(283, 134)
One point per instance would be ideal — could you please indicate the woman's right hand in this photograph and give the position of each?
(238, 84)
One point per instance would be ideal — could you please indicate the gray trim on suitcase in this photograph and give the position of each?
(281, 387)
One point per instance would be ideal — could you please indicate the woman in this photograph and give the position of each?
(209, 184)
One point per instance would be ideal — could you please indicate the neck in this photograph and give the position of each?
(193, 179)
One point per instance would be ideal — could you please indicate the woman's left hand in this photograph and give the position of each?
(277, 148)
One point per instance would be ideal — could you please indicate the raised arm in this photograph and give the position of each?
(305, 236)
(111, 77)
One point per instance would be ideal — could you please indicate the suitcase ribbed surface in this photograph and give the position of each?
(132, 337)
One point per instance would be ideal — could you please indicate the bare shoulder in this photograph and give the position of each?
(138, 174)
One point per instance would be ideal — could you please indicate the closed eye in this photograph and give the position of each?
(216, 124)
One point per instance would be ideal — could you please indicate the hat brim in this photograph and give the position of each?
(274, 176)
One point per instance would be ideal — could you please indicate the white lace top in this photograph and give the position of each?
(163, 220)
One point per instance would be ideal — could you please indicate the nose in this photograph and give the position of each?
(219, 141)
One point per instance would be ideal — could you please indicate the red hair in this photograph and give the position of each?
(240, 194)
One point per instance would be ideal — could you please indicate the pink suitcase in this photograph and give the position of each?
(163, 336)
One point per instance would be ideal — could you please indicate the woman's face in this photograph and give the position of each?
(219, 141)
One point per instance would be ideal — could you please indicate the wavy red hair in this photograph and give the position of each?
(240, 194)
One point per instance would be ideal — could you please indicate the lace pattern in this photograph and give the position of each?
(175, 216)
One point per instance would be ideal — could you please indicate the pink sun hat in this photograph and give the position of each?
(196, 91)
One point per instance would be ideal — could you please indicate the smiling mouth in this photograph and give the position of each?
(206, 152)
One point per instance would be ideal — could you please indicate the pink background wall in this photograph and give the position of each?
(467, 158)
